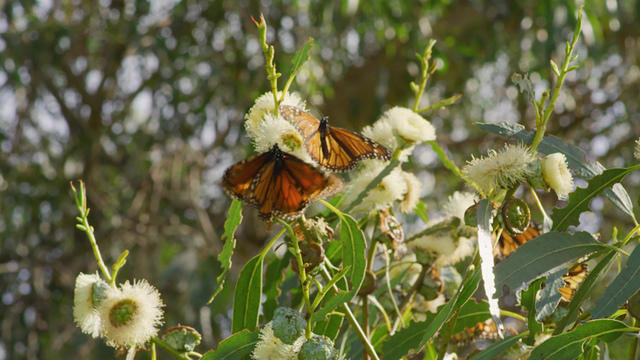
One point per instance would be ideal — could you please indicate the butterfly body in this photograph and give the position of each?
(275, 182)
(331, 147)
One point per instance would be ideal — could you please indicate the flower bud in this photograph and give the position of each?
(318, 348)
(312, 256)
(182, 338)
(470, 216)
(288, 325)
(515, 216)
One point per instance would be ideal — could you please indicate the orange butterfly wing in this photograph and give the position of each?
(237, 179)
(333, 148)
(276, 183)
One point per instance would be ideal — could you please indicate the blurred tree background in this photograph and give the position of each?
(144, 100)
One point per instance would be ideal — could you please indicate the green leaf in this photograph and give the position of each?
(471, 313)
(528, 300)
(484, 217)
(354, 257)
(246, 301)
(585, 290)
(550, 295)
(579, 199)
(569, 345)
(524, 85)
(421, 210)
(418, 333)
(234, 217)
(496, 348)
(623, 286)
(541, 256)
(235, 347)
(575, 158)
(274, 275)
(301, 56)
(329, 328)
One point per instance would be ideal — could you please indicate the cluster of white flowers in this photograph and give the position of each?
(636, 152)
(126, 316)
(266, 129)
(501, 169)
(400, 126)
(270, 347)
(446, 248)
(399, 185)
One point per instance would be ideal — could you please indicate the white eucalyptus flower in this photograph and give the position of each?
(400, 126)
(392, 188)
(458, 203)
(271, 348)
(88, 294)
(265, 104)
(276, 130)
(555, 172)
(412, 196)
(131, 314)
(503, 169)
(409, 126)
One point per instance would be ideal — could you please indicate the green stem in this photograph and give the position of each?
(96, 251)
(634, 344)
(513, 315)
(424, 73)
(449, 164)
(408, 300)
(302, 274)
(388, 281)
(266, 249)
(353, 321)
(630, 235)
(168, 348)
(541, 123)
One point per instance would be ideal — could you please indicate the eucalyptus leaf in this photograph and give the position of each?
(550, 296)
(623, 286)
(234, 218)
(484, 216)
(580, 198)
(354, 257)
(585, 290)
(496, 348)
(236, 347)
(569, 345)
(541, 256)
(246, 301)
(528, 300)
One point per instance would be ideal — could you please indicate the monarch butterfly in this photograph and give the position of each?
(275, 182)
(333, 148)
(574, 277)
(508, 244)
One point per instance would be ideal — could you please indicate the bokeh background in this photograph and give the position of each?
(144, 100)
